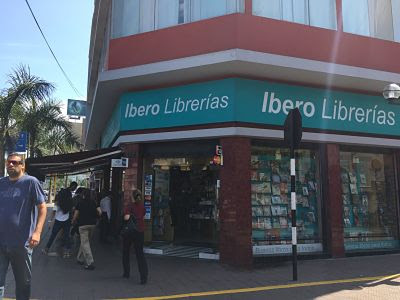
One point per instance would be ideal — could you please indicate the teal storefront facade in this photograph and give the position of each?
(352, 138)
(259, 102)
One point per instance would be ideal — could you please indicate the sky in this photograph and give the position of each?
(66, 25)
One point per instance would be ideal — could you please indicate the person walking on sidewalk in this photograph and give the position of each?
(74, 227)
(61, 219)
(105, 207)
(22, 215)
(86, 213)
(135, 209)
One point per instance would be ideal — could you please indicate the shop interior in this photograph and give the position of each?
(184, 200)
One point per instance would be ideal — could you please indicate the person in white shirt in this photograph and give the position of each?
(61, 217)
(105, 207)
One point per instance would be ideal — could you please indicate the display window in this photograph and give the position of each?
(270, 198)
(370, 218)
(182, 195)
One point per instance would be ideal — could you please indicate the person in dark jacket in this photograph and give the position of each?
(85, 215)
(135, 209)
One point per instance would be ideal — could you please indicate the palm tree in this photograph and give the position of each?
(57, 141)
(23, 86)
(44, 121)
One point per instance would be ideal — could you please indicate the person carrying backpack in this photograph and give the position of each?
(62, 219)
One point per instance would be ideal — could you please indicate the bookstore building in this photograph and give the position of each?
(214, 170)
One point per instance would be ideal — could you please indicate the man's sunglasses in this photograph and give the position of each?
(14, 162)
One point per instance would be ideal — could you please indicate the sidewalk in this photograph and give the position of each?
(58, 278)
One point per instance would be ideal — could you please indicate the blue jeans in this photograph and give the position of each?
(21, 263)
(58, 225)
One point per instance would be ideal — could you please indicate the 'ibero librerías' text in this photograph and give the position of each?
(331, 110)
(177, 106)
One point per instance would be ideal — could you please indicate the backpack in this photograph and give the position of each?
(64, 200)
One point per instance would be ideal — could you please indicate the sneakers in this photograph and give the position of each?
(45, 251)
(89, 267)
(67, 254)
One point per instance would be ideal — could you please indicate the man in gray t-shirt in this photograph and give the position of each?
(22, 215)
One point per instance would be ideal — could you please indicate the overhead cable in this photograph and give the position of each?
(55, 58)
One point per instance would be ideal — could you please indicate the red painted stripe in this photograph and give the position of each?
(257, 34)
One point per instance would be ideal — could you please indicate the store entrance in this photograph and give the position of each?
(185, 209)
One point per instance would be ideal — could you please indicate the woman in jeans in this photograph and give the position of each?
(62, 220)
(135, 209)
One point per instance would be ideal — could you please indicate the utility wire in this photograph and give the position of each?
(61, 68)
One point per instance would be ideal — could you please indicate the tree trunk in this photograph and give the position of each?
(32, 144)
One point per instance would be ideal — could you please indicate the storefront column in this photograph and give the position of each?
(106, 177)
(334, 203)
(133, 173)
(116, 199)
(235, 205)
(397, 168)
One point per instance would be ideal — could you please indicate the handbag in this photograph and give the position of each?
(130, 226)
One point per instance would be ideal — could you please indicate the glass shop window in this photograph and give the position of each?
(369, 200)
(270, 196)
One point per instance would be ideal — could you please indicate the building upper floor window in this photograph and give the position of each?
(374, 18)
(136, 16)
(319, 13)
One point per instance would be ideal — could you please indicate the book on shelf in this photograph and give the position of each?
(264, 176)
(353, 188)
(276, 200)
(276, 190)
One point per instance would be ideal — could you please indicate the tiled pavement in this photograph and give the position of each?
(58, 278)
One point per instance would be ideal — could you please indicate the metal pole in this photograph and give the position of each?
(55, 187)
(293, 206)
(65, 180)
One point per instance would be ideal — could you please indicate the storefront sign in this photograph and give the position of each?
(286, 249)
(218, 157)
(352, 246)
(147, 207)
(76, 108)
(112, 129)
(148, 185)
(21, 142)
(252, 101)
(119, 162)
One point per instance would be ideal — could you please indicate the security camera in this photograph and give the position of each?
(391, 92)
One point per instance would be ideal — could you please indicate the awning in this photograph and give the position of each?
(77, 162)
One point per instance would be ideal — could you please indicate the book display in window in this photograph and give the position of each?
(270, 198)
(368, 197)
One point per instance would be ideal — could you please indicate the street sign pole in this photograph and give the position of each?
(293, 208)
(293, 134)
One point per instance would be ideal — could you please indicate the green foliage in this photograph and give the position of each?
(25, 105)
(49, 132)
(22, 87)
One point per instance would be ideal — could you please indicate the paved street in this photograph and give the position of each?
(58, 278)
